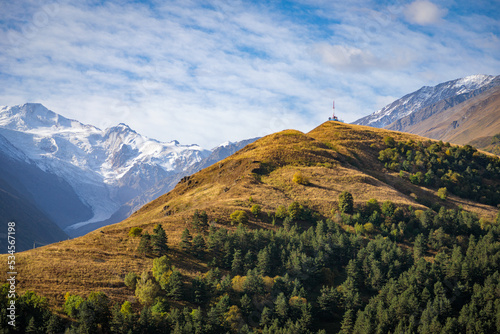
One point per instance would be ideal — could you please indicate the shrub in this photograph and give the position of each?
(256, 209)
(369, 228)
(239, 217)
(135, 231)
(389, 141)
(300, 179)
(442, 193)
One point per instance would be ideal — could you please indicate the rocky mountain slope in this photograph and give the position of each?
(18, 200)
(473, 121)
(429, 100)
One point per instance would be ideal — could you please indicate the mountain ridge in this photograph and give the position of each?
(426, 96)
(106, 168)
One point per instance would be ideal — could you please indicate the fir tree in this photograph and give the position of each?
(159, 241)
(198, 246)
(346, 202)
(237, 264)
(185, 243)
(145, 247)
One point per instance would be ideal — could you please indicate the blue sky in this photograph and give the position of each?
(210, 71)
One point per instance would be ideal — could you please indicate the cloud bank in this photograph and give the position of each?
(207, 72)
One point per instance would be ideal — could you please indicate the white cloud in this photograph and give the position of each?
(231, 71)
(424, 12)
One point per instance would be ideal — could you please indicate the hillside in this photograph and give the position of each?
(473, 121)
(334, 157)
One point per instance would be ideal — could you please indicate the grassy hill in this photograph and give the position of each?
(333, 158)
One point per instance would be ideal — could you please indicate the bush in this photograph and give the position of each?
(369, 228)
(442, 193)
(256, 209)
(300, 179)
(389, 141)
(239, 217)
(135, 231)
(346, 202)
(130, 280)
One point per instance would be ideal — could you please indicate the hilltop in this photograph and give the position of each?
(334, 157)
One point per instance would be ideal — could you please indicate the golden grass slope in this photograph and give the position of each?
(333, 157)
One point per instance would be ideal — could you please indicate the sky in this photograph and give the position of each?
(207, 72)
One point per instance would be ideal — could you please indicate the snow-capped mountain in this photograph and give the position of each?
(105, 168)
(426, 96)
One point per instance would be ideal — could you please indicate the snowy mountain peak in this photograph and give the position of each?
(105, 168)
(32, 117)
(427, 96)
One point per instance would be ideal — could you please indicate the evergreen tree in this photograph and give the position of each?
(264, 261)
(145, 247)
(55, 325)
(281, 307)
(347, 322)
(101, 306)
(246, 304)
(254, 283)
(185, 243)
(265, 317)
(237, 264)
(198, 246)
(294, 211)
(175, 285)
(419, 247)
(346, 202)
(159, 241)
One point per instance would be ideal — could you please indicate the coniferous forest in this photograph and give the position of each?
(374, 267)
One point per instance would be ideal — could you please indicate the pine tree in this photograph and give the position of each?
(264, 261)
(31, 328)
(237, 264)
(419, 247)
(281, 307)
(248, 262)
(159, 241)
(294, 211)
(347, 322)
(185, 243)
(346, 202)
(145, 248)
(265, 317)
(55, 325)
(246, 304)
(175, 285)
(198, 246)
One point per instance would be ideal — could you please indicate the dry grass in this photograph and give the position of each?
(334, 157)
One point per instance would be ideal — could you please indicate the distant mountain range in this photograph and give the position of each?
(82, 177)
(459, 111)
